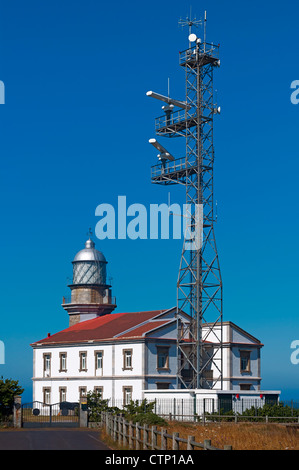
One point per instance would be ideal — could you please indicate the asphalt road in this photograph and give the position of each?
(51, 439)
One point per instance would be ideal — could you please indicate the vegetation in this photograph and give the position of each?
(8, 389)
(142, 413)
(241, 436)
(136, 412)
(273, 411)
(278, 411)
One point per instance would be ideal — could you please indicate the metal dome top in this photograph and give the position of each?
(89, 253)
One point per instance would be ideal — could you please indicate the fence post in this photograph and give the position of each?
(154, 437)
(163, 439)
(175, 442)
(190, 439)
(83, 413)
(110, 424)
(17, 412)
(145, 437)
(119, 427)
(131, 430)
(114, 424)
(138, 436)
(207, 444)
(125, 433)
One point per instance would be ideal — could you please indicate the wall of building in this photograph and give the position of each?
(144, 374)
(154, 373)
(113, 377)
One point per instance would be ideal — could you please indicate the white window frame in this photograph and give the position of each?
(127, 395)
(83, 361)
(127, 359)
(99, 361)
(47, 364)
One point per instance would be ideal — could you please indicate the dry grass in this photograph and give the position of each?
(242, 436)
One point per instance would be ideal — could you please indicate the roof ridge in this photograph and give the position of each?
(163, 324)
(139, 324)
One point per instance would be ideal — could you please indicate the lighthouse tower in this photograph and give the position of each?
(90, 294)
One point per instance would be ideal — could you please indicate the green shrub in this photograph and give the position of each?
(135, 411)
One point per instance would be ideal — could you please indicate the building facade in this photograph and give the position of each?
(122, 355)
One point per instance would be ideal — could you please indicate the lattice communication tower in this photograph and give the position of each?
(199, 286)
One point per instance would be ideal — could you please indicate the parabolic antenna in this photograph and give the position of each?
(192, 37)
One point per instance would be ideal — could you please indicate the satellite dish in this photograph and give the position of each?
(192, 37)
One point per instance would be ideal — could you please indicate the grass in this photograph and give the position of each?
(242, 436)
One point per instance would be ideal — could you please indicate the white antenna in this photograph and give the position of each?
(205, 27)
(190, 22)
(164, 154)
(180, 104)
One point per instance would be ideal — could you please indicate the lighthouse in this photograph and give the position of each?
(91, 296)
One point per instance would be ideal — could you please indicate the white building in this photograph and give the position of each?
(125, 356)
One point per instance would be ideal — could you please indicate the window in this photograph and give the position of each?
(83, 361)
(244, 361)
(162, 386)
(245, 386)
(47, 396)
(62, 361)
(47, 365)
(127, 393)
(82, 392)
(98, 391)
(99, 360)
(62, 394)
(127, 359)
(162, 357)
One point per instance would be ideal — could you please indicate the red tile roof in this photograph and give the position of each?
(101, 328)
(140, 331)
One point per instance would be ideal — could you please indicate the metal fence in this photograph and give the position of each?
(38, 414)
(212, 409)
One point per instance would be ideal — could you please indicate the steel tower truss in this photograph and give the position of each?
(199, 286)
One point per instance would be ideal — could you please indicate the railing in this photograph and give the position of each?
(144, 437)
(210, 410)
(168, 167)
(176, 117)
(67, 299)
(204, 49)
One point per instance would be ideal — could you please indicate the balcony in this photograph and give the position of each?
(200, 55)
(66, 300)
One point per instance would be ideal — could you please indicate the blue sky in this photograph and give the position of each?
(74, 134)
